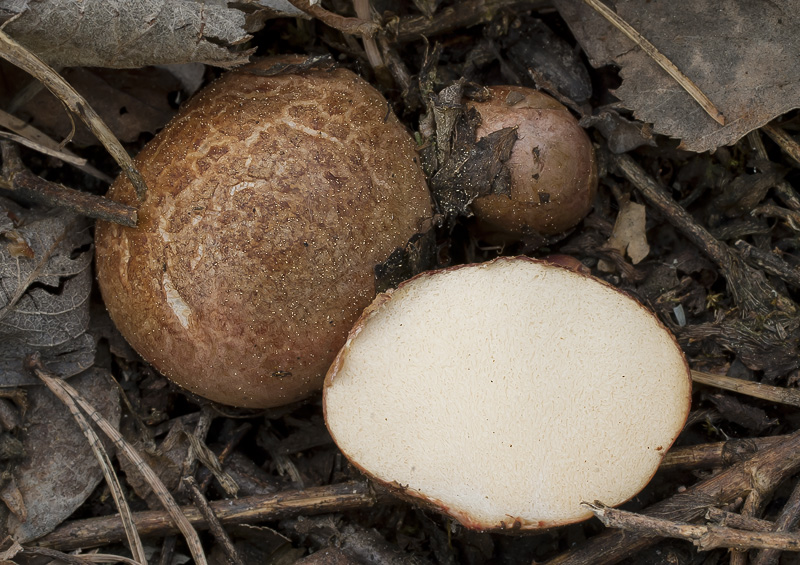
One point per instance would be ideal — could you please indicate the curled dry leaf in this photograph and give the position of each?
(123, 34)
(622, 135)
(45, 281)
(474, 169)
(462, 167)
(629, 235)
(58, 471)
(745, 56)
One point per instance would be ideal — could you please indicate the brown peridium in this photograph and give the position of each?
(552, 164)
(270, 201)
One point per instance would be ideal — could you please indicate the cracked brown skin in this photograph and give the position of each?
(552, 164)
(270, 200)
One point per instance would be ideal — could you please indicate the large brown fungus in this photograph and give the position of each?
(271, 199)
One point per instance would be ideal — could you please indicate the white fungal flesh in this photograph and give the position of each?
(509, 392)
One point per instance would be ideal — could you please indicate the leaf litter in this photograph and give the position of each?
(130, 101)
(57, 471)
(45, 282)
(678, 249)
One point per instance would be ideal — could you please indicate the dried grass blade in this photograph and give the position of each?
(66, 157)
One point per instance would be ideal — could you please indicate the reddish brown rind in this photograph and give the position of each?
(512, 523)
(270, 200)
(552, 164)
(567, 261)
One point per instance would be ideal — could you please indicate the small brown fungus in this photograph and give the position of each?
(552, 165)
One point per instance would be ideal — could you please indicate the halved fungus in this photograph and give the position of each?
(505, 393)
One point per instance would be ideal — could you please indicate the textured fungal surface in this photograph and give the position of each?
(552, 164)
(506, 393)
(271, 199)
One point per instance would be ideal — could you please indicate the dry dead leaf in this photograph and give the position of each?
(622, 134)
(166, 461)
(466, 167)
(44, 299)
(123, 34)
(536, 50)
(745, 56)
(130, 102)
(629, 234)
(59, 470)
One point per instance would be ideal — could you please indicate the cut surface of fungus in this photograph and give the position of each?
(271, 198)
(506, 393)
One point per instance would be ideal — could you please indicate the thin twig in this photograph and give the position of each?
(784, 140)
(18, 55)
(351, 26)
(19, 179)
(753, 505)
(673, 71)
(200, 451)
(750, 290)
(364, 11)
(785, 522)
(791, 217)
(770, 262)
(400, 73)
(54, 384)
(232, 442)
(757, 390)
(783, 189)
(196, 445)
(213, 522)
(86, 559)
(737, 521)
(94, 532)
(107, 558)
(704, 537)
(718, 454)
(770, 466)
(57, 555)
